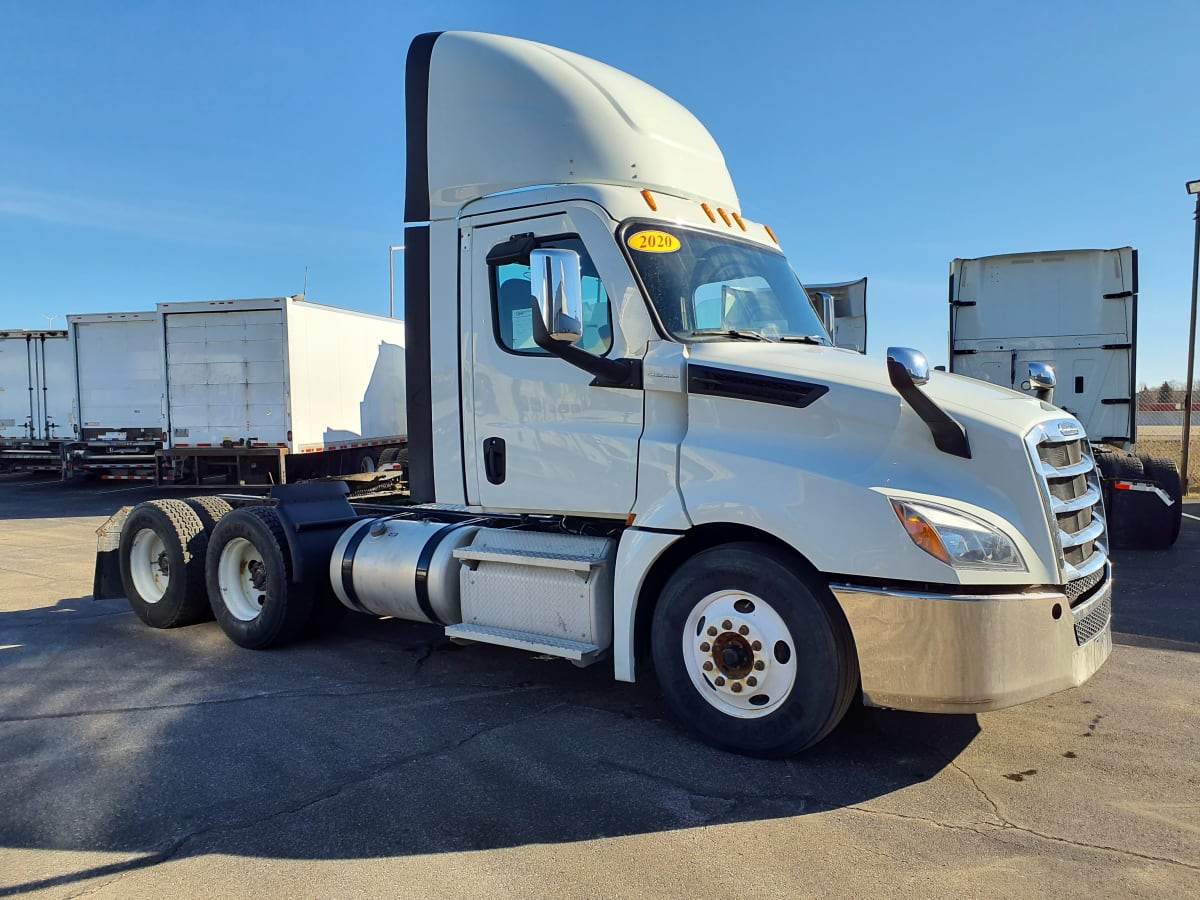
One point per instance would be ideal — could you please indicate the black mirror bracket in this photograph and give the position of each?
(610, 373)
(949, 435)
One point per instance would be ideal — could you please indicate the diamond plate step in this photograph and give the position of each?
(523, 640)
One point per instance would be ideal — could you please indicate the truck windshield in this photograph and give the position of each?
(707, 287)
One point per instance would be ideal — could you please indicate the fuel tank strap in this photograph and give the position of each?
(348, 567)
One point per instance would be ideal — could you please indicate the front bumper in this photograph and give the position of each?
(966, 653)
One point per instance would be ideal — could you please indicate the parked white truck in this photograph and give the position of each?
(35, 399)
(630, 438)
(1074, 311)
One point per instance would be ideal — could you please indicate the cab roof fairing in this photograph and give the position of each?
(487, 114)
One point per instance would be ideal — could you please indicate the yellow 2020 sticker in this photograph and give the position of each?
(654, 242)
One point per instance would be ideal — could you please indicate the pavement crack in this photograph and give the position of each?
(982, 793)
(1083, 845)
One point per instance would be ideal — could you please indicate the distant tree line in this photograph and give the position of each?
(1168, 394)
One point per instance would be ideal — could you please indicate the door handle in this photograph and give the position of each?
(494, 459)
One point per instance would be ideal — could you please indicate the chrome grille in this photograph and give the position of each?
(1094, 621)
(1072, 492)
(1081, 588)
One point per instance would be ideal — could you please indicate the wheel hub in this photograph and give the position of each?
(740, 654)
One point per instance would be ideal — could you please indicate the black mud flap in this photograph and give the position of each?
(106, 583)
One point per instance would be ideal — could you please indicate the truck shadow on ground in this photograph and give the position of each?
(382, 740)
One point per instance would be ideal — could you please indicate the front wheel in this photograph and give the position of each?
(249, 576)
(752, 652)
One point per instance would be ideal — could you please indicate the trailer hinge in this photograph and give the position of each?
(962, 303)
(1116, 347)
(1120, 295)
(964, 352)
(1115, 401)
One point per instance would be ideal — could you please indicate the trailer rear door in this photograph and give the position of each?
(226, 379)
(1073, 309)
(119, 371)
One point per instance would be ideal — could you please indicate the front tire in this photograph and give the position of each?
(249, 576)
(752, 651)
(161, 555)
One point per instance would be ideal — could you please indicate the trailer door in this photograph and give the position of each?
(1074, 309)
(119, 372)
(226, 377)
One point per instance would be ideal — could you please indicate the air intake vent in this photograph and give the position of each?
(718, 382)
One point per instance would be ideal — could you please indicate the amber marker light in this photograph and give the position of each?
(738, 219)
(921, 532)
(649, 198)
(724, 215)
(708, 212)
(771, 234)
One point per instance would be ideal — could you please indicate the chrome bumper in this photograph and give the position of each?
(972, 653)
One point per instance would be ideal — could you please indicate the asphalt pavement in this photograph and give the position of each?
(383, 760)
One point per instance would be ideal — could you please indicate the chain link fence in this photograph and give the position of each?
(1160, 417)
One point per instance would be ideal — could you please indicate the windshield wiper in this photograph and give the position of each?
(733, 333)
(806, 339)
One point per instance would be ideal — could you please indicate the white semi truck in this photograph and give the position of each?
(35, 399)
(631, 439)
(1074, 311)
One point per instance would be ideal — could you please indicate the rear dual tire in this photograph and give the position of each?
(162, 551)
(249, 578)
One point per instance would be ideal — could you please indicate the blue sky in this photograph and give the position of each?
(154, 151)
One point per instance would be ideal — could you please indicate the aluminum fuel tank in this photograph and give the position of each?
(401, 567)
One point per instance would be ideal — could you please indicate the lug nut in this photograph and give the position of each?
(708, 667)
(737, 687)
(756, 646)
(752, 681)
(760, 665)
(705, 647)
(727, 625)
(719, 681)
(744, 630)
(712, 630)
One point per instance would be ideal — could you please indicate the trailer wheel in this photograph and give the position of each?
(161, 556)
(1165, 473)
(752, 652)
(365, 463)
(249, 575)
(210, 510)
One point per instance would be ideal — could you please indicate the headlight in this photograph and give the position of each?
(956, 538)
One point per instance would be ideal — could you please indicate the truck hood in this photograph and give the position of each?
(967, 399)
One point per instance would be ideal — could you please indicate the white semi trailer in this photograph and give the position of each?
(631, 439)
(35, 399)
(1076, 312)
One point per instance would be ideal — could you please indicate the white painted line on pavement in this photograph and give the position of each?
(1190, 516)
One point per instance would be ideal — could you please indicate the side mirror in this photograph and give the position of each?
(557, 288)
(913, 361)
(823, 301)
(1042, 380)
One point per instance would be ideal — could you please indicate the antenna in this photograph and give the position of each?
(305, 291)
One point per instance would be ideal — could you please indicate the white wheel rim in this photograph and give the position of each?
(367, 465)
(242, 576)
(739, 654)
(148, 565)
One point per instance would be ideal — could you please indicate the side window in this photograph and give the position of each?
(513, 313)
